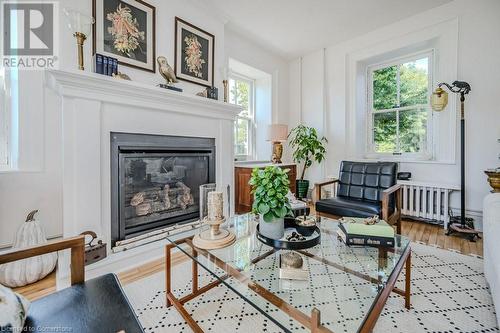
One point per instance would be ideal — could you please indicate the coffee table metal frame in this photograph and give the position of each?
(312, 322)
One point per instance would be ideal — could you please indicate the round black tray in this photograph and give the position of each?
(296, 245)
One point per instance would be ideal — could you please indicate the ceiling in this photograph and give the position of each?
(293, 28)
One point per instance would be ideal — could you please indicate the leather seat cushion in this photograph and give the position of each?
(98, 305)
(341, 206)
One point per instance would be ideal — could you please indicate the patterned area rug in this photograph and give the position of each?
(449, 294)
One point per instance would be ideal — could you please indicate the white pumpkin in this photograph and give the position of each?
(22, 272)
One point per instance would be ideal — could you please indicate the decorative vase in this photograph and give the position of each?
(494, 180)
(275, 229)
(22, 272)
(302, 188)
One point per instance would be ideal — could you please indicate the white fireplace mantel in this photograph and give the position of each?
(92, 106)
(104, 88)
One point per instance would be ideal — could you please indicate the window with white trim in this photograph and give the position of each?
(399, 115)
(242, 93)
(4, 122)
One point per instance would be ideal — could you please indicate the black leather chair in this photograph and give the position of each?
(363, 190)
(96, 305)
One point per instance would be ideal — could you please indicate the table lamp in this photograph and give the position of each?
(439, 100)
(277, 133)
(80, 25)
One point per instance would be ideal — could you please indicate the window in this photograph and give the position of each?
(399, 115)
(241, 92)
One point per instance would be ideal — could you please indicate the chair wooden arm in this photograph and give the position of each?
(397, 190)
(76, 244)
(319, 185)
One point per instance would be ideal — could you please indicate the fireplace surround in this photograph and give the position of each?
(91, 108)
(155, 181)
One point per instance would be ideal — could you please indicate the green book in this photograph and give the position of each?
(357, 226)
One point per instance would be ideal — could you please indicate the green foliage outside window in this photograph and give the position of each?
(398, 130)
(239, 94)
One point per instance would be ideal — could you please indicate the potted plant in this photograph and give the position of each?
(307, 148)
(270, 187)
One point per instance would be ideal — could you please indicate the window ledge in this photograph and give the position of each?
(402, 159)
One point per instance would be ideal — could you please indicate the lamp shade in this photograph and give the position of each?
(439, 99)
(78, 22)
(277, 132)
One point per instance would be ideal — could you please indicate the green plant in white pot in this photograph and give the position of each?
(307, 148)
(270, 187)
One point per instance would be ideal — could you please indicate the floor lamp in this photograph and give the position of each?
(439, 100)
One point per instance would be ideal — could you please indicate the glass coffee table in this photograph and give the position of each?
(346, 290)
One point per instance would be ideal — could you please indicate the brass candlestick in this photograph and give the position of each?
(80, 40)
(226, 91)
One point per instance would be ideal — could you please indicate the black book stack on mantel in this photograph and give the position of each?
(105, 65)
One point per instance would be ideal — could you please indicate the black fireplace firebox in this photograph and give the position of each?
(155, 181)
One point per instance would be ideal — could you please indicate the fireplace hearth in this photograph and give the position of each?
(155, 181)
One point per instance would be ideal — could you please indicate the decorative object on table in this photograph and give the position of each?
(14, 310)
(494, 179)
(306, 221)
(277, 133)
(308, 148)
(205, 189)
(122, 76)
(366, 231)
(291, 266)
(295, 237)
(23, 272)
(270, 187)
(105, 65)
(79, 24)
(214, 237)
(439, 100)
(125, 29)
(213, 93)
(404, 175)
(299, 207)
(93, 252)
(194, 54)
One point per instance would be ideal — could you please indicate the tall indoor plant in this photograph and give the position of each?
(307, 148)
(270, 187)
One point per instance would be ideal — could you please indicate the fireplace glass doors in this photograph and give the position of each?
(158, 182)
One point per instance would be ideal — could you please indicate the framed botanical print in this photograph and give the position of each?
(125, 29)
(194, 54)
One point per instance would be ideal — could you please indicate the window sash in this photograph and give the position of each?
(371, 111)
(250, 117)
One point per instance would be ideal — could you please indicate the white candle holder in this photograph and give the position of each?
(214, 237)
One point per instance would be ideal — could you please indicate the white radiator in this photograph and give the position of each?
(429, 201)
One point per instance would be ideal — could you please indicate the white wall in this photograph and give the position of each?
(478, 54)
(247, 52)
(37, 185)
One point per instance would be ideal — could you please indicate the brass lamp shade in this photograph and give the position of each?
(439, 99)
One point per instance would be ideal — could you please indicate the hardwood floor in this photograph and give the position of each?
(416, 231)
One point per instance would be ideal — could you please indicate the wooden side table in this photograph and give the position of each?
(243, 199)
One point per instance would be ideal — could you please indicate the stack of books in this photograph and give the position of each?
(105, 65)
(354, 231)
